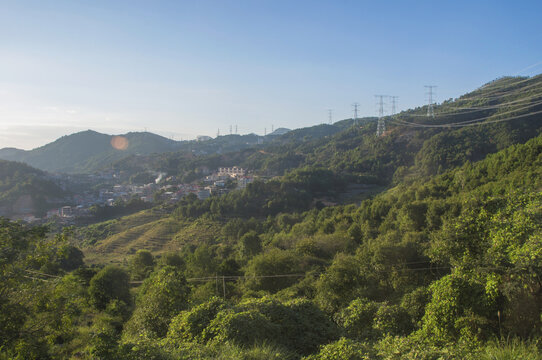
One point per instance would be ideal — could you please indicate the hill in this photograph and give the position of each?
(87, 150)
(504, 112)
(90, 151)
(25, 190)
(404, 155)
(445, 262)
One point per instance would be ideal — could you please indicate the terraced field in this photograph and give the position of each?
(144, 231)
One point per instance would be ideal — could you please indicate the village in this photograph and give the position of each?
(165, 189)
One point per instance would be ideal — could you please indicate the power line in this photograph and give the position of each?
(470, 110)
(464, 124)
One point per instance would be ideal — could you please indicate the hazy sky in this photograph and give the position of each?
(183, 68)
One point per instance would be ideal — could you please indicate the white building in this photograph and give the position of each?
(231, 171)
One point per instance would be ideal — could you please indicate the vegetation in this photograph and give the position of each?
(24, 190)
(446, 263)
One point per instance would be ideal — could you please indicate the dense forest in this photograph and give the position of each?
(445, 262)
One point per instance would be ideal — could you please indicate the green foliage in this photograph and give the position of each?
(417, 346)
(250, 244)
(24, 190)
(342, 282)
(189, 325)
(111, 283)
(298, 326)
(511, 349)
(269, 264)
(162, 296)
(343, 349)
(459, 307)
(429, 269)
(244, 328)
(141, 264)
(172, 259)
(392, 319)
(358, 318)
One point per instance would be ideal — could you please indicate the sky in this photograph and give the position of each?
(187, 68)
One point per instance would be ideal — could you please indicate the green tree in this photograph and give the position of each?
(141, 264)
(250, 244)
(162, 296)
(111, 283)
(262, 267)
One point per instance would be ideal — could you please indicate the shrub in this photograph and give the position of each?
(111, 283)
(163, 295)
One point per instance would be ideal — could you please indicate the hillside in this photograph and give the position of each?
(86, 151)
(517, 168)
(444, 263)
(90, 151)
(504, 112)
(25, 190)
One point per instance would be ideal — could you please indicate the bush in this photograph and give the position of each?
(303, 326)
(189, 325)
(458, 307)
(245, 328)
(393, 320)
(273, 262)
(111, 283)
(141, 264)
(344, 349)
(162, 296)
(357, 319)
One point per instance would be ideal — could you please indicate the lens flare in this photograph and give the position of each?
(119, 142)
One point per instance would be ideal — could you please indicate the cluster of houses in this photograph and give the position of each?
(217, 183)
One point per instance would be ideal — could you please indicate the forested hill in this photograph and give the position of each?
(448, 267)
(87, 151)
(504, 112)
(25, 190)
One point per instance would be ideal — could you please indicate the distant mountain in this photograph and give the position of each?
(89, 150)
(502, 113)
(25, 190)
(279, 131)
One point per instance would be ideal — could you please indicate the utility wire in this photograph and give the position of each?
(478, 121)
(481, 108)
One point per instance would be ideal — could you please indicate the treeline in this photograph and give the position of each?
(294, 192)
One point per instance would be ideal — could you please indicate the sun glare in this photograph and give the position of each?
(119, 142)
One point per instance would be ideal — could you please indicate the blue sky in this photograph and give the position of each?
(183, 68)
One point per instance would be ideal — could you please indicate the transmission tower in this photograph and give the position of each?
(430, 110)
(355, 105)
(264, 131)
(272, 128)
(330, 116)
(393, 104)
(236, 130)
(218, 132)
(381, 125)
(231, 130)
